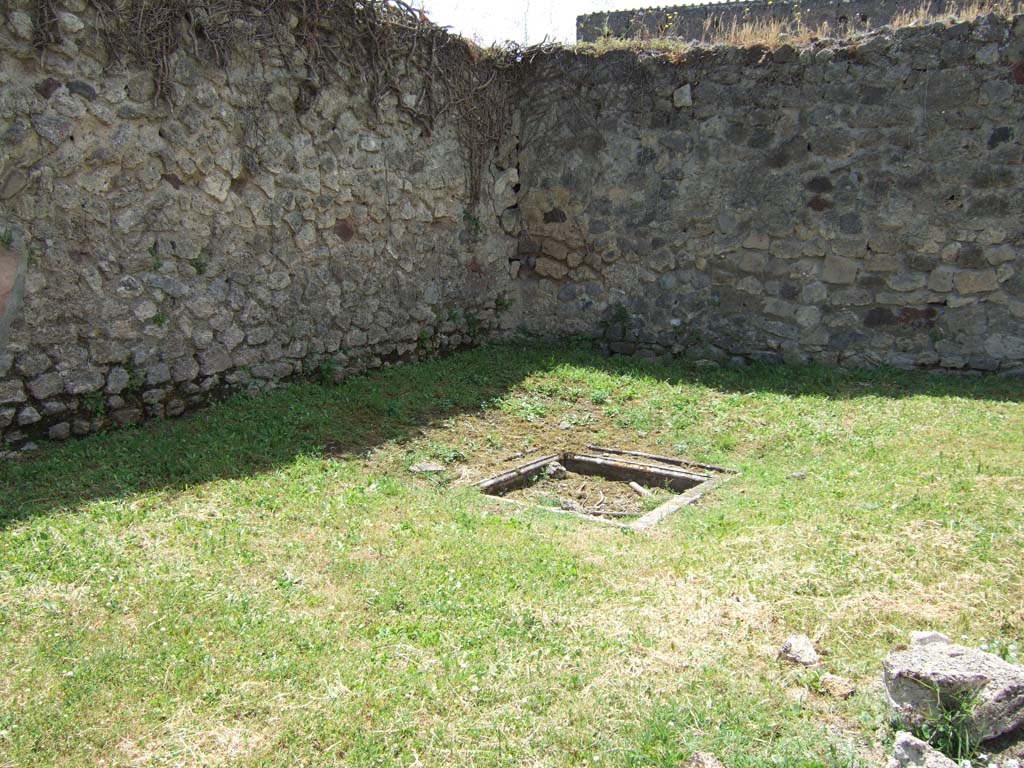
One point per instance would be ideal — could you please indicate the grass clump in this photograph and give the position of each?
(949, 728)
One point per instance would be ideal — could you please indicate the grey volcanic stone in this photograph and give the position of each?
(800, 650)
(911, 752)
(683, 96)
(924, 679)
(117, 380)
(85, 380)
(83, 89)
(11, 392)
(839, 270)
(61, 431)
(927, 638)
(214, 360)
(46, 386)
(28, 416)
(52, 128)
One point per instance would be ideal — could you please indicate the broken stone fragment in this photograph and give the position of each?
(13, 183)
(911, 752)
(427, 467)
(506, 186)
(555, 471)
(217, 185)
(54, 129)
(927, 638)
(683, 96)
(800, 650)
(925, 680)
(82, 89)
(21, 24)
(69, 23)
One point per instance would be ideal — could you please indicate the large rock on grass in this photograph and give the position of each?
(925, 681)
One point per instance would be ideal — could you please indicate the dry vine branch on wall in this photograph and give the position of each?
(385, 46)
(47, 30)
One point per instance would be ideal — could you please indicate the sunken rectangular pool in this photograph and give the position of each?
(626, 489)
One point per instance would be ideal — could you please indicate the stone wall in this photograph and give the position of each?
(851, 204)
(175, 250)
(697, 22)
(854, 204)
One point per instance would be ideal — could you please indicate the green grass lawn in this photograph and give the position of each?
(265, 583)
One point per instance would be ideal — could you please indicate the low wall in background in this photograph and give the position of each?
(699, 22)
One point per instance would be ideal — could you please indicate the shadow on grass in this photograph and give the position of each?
(249, 435)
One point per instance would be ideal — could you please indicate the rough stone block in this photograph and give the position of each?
(757, 241)
(682, 96)
(814, 293)
(808, 317)
(547, 267)
(941, 280)
(12, 392)
(974, 281)
(907, 281)
(910, 752)
(839, 270)
(214, 360)
(851, 297)
(46, 386)
(924, 679)
(1005, 347)
(1001, 254)
(21, 24)
(82, 380)
(61, 431)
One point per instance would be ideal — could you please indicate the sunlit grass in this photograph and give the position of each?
(266, 582)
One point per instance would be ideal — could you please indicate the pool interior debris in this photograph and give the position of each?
(626, 489)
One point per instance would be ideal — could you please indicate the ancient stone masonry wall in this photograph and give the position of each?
(854, 204)
(226, 238)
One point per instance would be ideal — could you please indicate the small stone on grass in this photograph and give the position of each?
(911, 752)
(800, 650)
(427, 467)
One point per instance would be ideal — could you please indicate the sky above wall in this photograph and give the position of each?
(488, 21)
